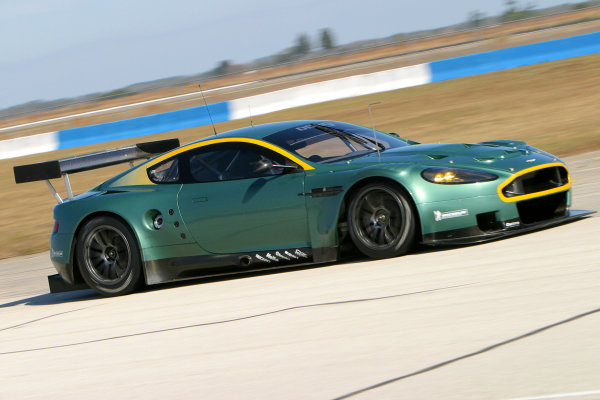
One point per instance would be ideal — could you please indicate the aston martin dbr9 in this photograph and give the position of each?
(290, 193)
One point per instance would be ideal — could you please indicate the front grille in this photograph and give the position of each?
(542, 208)
(537, 181)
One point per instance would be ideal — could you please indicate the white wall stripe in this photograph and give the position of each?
(335, 89)
(27, 145)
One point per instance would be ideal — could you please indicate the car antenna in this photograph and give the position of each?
(373, 128)
(250, 112)
(208, 110)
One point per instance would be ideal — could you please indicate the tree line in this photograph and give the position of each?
(301, 47)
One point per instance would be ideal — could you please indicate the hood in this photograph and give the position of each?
(488, 156)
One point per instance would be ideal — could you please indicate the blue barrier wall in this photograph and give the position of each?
(498, 60)
(142, 126)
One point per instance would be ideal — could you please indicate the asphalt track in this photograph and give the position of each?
(513, 319)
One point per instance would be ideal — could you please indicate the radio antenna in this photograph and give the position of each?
(250, 112)
(208, 110)
(373, 128)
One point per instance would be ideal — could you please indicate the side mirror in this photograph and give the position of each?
(263, 166)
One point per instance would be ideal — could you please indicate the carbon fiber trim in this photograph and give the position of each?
(172, 269)
(474, 234)
(57, 168)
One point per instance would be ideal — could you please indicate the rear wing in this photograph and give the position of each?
(47, 170)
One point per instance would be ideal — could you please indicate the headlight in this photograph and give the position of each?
(456, 176)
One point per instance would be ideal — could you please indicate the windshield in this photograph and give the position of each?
(326, 141)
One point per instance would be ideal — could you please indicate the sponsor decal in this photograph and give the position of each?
(261, 258)
(439, 216)
(270, 257)
(301, 253)
(287, 253)
(512, 224)
(280, 255)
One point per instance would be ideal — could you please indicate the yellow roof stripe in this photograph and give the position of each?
(139, 176)
(262, 143)
(537, 194)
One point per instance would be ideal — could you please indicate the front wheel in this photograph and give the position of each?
(108, 256)
(381, 221)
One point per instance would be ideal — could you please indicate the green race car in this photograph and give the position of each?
(291, 193)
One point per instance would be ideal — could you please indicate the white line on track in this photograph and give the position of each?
(559, 395)
(104, 110)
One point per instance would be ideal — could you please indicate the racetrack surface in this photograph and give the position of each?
(514, 318)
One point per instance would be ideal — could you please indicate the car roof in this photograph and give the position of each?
(260, 131)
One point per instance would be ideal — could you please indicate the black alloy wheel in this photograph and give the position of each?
(381, 221)
(108, 256)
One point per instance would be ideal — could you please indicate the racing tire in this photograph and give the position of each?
(381, 221)
(108, 256)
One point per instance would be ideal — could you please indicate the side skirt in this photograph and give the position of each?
(173, 269)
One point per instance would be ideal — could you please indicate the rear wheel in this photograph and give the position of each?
(108, 256)
(381, 221)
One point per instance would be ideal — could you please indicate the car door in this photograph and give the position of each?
(230, 208)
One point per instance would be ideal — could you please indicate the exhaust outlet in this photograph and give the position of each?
(245, 261)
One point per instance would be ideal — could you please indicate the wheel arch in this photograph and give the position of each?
(356, 186)
(74, 262)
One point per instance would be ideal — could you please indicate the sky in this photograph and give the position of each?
(51, 49)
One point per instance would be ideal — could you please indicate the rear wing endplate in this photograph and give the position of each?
(47, 170)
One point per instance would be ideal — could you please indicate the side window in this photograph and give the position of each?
(165, 172)
(231, 161)
(209, 166)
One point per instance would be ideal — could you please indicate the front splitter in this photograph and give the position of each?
(473, 234)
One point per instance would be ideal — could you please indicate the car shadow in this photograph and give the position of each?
(82, 295)
(48, 299)
(236, 275)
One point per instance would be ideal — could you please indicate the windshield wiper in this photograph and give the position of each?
(381, 146)
(364, 142)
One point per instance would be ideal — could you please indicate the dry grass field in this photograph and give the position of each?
(553, 106)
